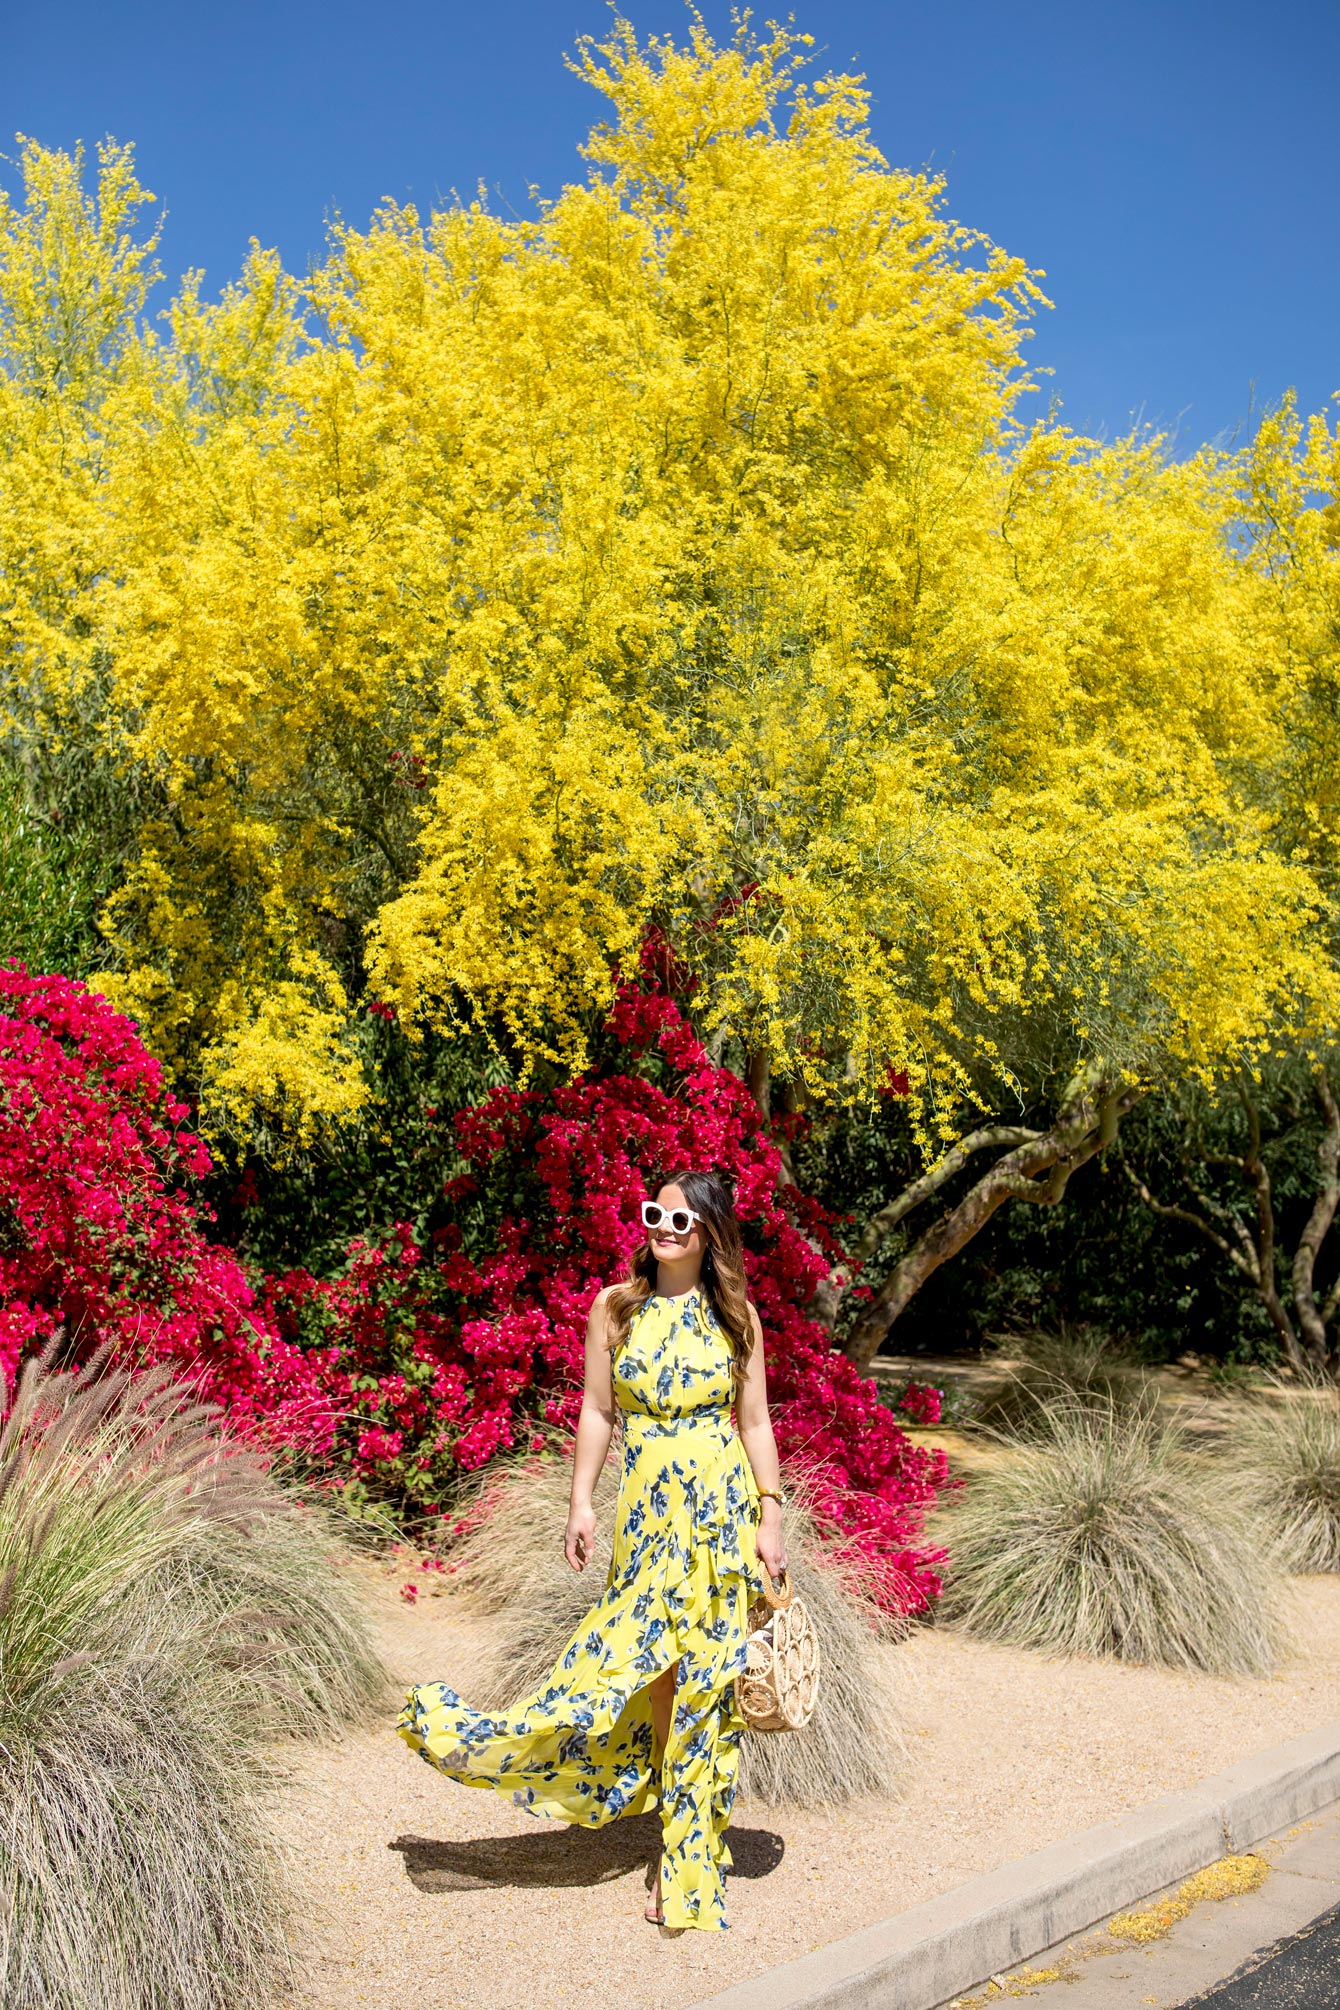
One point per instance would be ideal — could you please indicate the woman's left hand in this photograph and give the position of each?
(770, 1541)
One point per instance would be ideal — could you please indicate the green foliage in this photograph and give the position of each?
(53, 880)
(388, 1164)
(1105, 1533)
(164, 1608)
(1101, 1260)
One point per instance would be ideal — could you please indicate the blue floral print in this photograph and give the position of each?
(683, 1572)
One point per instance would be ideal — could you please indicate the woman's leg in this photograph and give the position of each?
(662, 1696)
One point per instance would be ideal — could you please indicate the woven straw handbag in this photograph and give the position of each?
(781, 1668)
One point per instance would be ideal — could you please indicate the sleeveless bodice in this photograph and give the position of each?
(675, 1364)
(684, 1470)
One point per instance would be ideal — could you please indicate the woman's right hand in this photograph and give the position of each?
(579, 1538)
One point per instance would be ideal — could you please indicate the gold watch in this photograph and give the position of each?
(772, 1494)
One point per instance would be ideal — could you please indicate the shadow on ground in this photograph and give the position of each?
(568, 1856)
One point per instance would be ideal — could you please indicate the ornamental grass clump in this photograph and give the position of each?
(1075, 1364)
(1104, 1532)
(508, 1568)
(153, 1634)
(1287, 1456)
(263, 1595)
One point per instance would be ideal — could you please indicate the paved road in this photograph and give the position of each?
(1276, 1948)
(1300, 1973)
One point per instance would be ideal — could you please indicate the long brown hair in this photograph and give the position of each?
(723, 1281)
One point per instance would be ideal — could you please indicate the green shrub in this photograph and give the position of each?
(1287, 1455)
(1104, 1532)
(52, 883)
(151, 1639)
(510, 1569)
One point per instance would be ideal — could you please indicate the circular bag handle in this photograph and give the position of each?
(778, 1600)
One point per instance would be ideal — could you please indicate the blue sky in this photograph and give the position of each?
(1174, 168)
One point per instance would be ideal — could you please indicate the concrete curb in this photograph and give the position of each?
(919, 1959)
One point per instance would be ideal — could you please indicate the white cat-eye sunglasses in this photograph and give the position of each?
(679, 1219)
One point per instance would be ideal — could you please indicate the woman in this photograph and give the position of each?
(640, 1705)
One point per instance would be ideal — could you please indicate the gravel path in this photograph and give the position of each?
(426, 1896)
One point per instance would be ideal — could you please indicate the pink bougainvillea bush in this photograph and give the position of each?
(100, 1243)
(424, 1359)
(456, 1352)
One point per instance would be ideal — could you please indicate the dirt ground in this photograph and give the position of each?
(423, 1895)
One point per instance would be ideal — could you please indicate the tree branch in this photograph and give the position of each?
(996, 1137)
(1229, 1215)
(758, 1076)
(1331, 1303)
(1256, 1257)
(1037, 1170)
(1171, 1212)
(1256, 1170)
(1313, 1318)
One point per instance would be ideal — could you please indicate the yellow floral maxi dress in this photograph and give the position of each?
(683, 1572)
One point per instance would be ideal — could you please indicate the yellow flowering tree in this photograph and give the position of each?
(1224, 1177)
(675, 560)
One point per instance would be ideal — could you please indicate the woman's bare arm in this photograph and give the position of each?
(755, 1427)
(595, 1428)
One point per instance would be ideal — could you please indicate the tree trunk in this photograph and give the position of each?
(758, 1078)
(786, 1101)
(1037, 1169)
(1276, 1310)
(1311, 1316)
